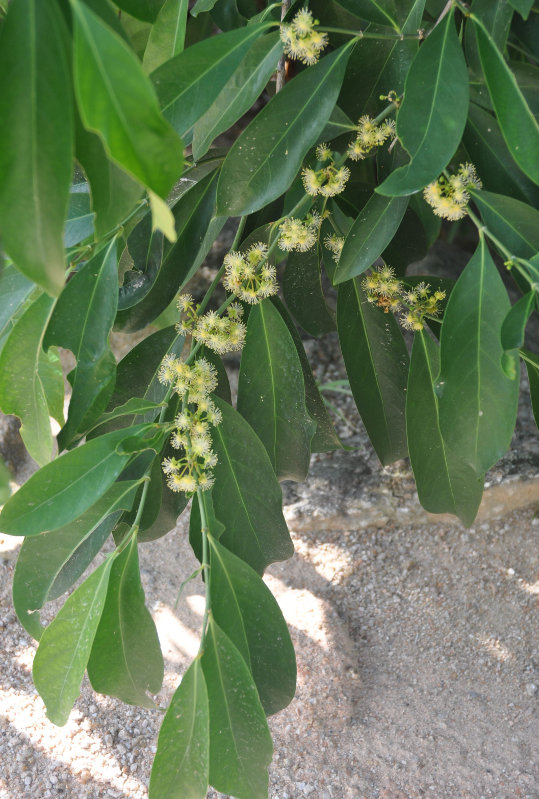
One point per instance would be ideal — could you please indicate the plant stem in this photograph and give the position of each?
(281, 66)
(205, 566)
(368, 35)
(219, 275)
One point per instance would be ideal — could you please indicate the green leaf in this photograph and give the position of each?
(146, 10)
(518, 125)
(302, 290)
(65, 645)
(445, 484)
(197, 229)
(271, 393)
(126, 659)
(488, 152)
(522, 6)
(373, 230)
(239, 93)
(496, 16)
(49, 564)
(81, 322)
(240, 741)
(167, 35)
(213, 524)
(246, 495)
(223, 383)
(22, 392)
(201, 6)
(117, 101)
(376, 11)
(5, 477)
(532, 367)
(246, 610)
(62, 490)
(188, 84)
(515, 223)
(376, 361)
(433, 114)
(52, 380)
(80, 219)
(477, 401)
(35, 140)
(15, 291)
(145, 246)
(264, 160)
(325, 438)
(514, 324)
(114, 192)
(181, 766)
(135, 406)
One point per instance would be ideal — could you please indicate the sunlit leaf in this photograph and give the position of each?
(167, 35)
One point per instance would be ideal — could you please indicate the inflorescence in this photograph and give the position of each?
(369, 137)
(449, 197)
(300, 235)
(220, 333)
(301, 39)
(390, 294)
(248, 275)
(334, 244)
(327, 181)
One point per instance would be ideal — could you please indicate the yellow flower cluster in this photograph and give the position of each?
(248, 275)
(389, 293)
(192, 469)
(327, 181)
(220, 333)
(334, 244)
(301, 39)
(449, 197)
(369, 136)
(295, 234)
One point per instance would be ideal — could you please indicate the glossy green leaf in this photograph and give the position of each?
(264, 160)
(167, 35)
(517, 123)
(246, 495)
(81, 322)
(126, 659)
(376, 361)
(489, 154)
(181, 766)
(515, 223)
(80, 218)
(522, 6)
(65, 645)
(135, 406)
(532, 367)
(302, 290)
(370, 234)
(188, 84)
(246, 610)
(62, 490)
(379, 11)
(197, 228)
(15, 291)
(21, 388)
(477, 401)
(240, 741)
(202, 5)
(514, 324)
(433, 114)
(146, 10)
(116, 100)
(215, 527)
(145, 246)
(271, 393)
(51, 563)
(496, 16)
(445, 484)
(239, 93)
(114, 193)
(325, 438)
(52, 380)
(35, 140)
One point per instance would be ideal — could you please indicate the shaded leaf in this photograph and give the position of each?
(517, 123)
(146, 10)
(246, 495)
(239, 93)
(167, 35)
(302, 290)
(35, 140)
(514, 324)
(21, 388)
(264, 160)
(515, 223)
(80, 218)
(445, 484)
(522, 6)
(62, 490)
(246, 610)
(370, 234)
(532, 367)
(477, 401)
(383, 13)
(188, 84)
(52, 379)
(126, 659)
(65, 645)
(240, 741)
(51, 563)
(116, 100)
(376, 361)
(181, 766)
(215, 527)
(431, 119)
(81, 322)
(5, 477)
(271, 393)
(15, 291)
